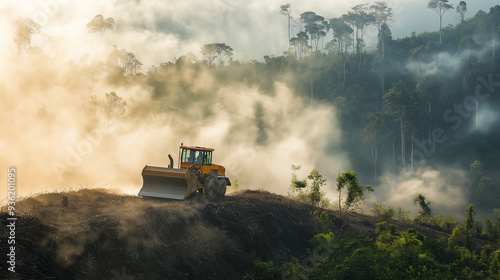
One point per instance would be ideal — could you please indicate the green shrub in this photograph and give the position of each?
(379, 210)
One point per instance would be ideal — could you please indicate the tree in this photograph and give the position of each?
(384, 36)
(418, 54)
(125, 61)
(440, 7)
(461, 10)
(313, 194)
(216, 54)
(414, 118)
(359, 17)
(260, 123)
(355, 191)
(25, 29)
(494, 18)
(317, 182)
(132, 63)
(423, 203)
(397, 101)
(300, 44)
(382, 14)
(112, 107)
(362, 18)
(297, 184)
(314, 25)
(350, 19)
(340, 30)
(99, 24)
(285, 10)
(479, 181)
(373, 128)
(469, 225)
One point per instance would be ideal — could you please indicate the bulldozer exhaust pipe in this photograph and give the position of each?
(171, 165)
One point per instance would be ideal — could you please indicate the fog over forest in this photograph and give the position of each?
(91, 93)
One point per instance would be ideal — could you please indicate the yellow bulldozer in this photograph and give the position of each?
(195, 172)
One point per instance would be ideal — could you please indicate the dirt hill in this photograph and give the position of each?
(104, 235)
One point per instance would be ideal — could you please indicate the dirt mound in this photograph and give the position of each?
(103, 235)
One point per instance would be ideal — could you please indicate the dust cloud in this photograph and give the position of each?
(63, 129)
(444, 187)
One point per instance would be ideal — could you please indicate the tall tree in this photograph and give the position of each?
(355, 190)
(418, 55)
(340, 31)
(414, 118)
(99, 24)
(397, 101)
(318, 181)
(216, 54)
(440, 7)
(25, 29)
(373, 131)
(495, 24)
(478, 179)
(300, 45)
(314, 25)
(423, 203)
(384, 36)
(285, 10)
(469, 225)
(363, 18)
(461, 10)
(350, 19)
(382, 14)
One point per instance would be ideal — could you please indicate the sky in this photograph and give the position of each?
(158, 31)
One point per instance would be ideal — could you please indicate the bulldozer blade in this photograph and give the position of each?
(168, 182)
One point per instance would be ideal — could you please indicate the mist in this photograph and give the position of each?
(446, 188)
(72, 120)
(61, 134)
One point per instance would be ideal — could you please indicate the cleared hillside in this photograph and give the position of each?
(104, 235)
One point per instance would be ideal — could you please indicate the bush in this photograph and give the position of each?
(323, 223)
(380, 211)
(263, 271)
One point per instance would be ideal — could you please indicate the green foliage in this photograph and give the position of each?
(402, 215)
(294, 270)
(296, 184)
(393, 255)
(382, 212)
(423, 203)
(263, 271)
(309, 193)
(317, 182)
(386, 232)
(478, 180)
(323, 223)
(457, 237)
(355, 191)
(469, 225)
(439, 222)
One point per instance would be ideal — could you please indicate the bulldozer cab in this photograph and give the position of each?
(200, 157)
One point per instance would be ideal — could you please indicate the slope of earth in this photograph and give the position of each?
(103, 235)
